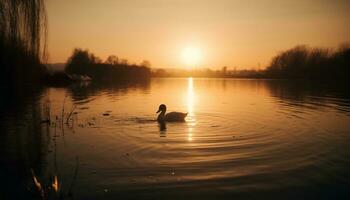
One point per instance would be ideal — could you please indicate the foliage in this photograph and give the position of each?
(84, 63)
(22, 38)
(304, 62)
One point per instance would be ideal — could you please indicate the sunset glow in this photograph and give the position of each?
(233, 33)
(171, 99)
(191, 56)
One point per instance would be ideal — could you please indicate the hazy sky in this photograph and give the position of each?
(225, 32)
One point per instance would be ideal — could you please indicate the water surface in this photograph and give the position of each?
(242, 138)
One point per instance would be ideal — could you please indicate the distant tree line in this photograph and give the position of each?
(300, 62)
(208, 73)
(84, 63)
(310, 63)
(22, 40)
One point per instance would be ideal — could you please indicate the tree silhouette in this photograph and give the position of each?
(304, 62)
(82, 62)
(146, 63)
(23, 30)
(112, 60)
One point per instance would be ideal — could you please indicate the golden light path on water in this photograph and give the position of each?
(190, 104)
(257, 130)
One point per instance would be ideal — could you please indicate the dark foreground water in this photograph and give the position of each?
(242, 139)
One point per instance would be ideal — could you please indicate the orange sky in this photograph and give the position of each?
(227, 32)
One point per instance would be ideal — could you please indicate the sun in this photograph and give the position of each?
(191, 56)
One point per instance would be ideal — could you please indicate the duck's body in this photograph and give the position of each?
(170, 117)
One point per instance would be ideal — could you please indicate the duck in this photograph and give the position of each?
(170, 117)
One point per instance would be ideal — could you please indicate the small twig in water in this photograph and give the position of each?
(62, 115)
(70, 114)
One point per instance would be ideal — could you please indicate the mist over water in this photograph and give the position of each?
(242, 138)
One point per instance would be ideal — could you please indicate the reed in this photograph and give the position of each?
(70, 114)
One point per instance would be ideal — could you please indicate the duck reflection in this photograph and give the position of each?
(162, 129)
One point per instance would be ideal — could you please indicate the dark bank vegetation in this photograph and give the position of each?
(311, 63)
(23, 32)
(87, 65)
(23, 28)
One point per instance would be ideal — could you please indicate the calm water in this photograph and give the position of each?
(242, 139)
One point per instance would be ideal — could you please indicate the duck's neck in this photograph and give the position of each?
(161, 115)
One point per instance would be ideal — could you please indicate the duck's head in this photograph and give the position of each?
(162, 107)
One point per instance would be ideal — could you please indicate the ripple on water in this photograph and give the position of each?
(261, 141)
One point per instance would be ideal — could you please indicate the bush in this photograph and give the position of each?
(84, 63)
(304, 62)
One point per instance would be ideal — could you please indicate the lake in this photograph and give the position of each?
(243, 139)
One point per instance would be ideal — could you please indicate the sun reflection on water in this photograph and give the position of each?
(190, 108)
(190, 98)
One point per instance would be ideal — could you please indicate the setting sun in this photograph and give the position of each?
(191, 56)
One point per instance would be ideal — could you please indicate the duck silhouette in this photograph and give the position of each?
(170, 117)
